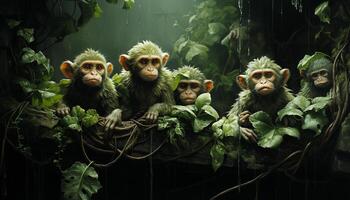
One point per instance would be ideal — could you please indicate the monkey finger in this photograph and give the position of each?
(112, 125)
(245, 112)
(107, 124)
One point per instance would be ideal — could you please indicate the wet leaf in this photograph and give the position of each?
(270, 140)
(261, 122)
(203, 99)
(80, 182)
(184, 112)
(319, 103)
(210, 111)
(201, 122)
(323, 11)
(289, 112)
(293, 132)
(315, 121)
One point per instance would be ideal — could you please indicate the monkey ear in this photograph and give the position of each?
(109, 68)
(165, 58)
(67, 69)
(241, 81)
(123, 60)
(285, 76)
(208, 85)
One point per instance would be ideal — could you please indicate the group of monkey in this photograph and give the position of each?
(145, 88)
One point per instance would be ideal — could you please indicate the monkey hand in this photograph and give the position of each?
(113, 119)
(151, 116)
(244, 118)
(248, 134)
(63, 110)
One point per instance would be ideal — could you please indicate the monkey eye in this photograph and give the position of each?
(268, 74)
(323, 73)
(314, 75)
(182, 85)
(257, 75)
(155, 61)
(87, 66)
(194, 85)
(143, 61)
(99, 67)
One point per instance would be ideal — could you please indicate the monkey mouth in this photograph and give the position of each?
(321, 84)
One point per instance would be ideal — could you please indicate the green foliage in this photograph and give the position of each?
(26, 33)
(323, 12)
(80, 182)
(304, 63)
(270, 135)
(194, 117)
(217, 154)
(310, 112)
(204, 29)
(79, 118)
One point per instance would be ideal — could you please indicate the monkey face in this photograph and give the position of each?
(148, 67)
(320, 78)
(188, 91)
(92, 72)
(263, 81)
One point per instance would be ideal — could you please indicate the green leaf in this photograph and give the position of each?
(75, 127)
(128, 4)
(319, 103)
(196, 49)
(261, 122)
(117, 79)
(26, 85)
(301, 102)
(184, 112)
(216, 127)
(217, 153)
(64, 83)
(289, 111)
(323, 12)
(78, 112)
(80, 182)
(27, 34)
(210, 111)
(293, 132)
(230, 128)
(13, 23)
(270, 140)
(97, 10)
(49, 99)
(315, 121)
(307, 60)
(201, 122)
(90, 118)
(72, 123)
(203, 99)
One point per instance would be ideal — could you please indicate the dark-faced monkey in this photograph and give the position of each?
(317, 78)
(191, 85)
(147, 82)
(263, 86)
(91, 87)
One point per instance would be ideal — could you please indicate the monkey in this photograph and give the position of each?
(91, 87)
(263, 89)
(317, 78)
(189, 88)
(147, 82)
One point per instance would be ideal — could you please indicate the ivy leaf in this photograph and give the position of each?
(307, 60)
(184, 112)
(270, 140)
(90, 118)
(201, 122)
(196, 49)
(289, 111)
(128, 4)
(301, 102)
(78, 112)
(318, 103)
(261, 122)
(97, 10)
(80, 182)
(315, 121)
(217, 153)
(293, 132)
(323, 12)
(210, 111)
(27, 34)
(203, 99)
